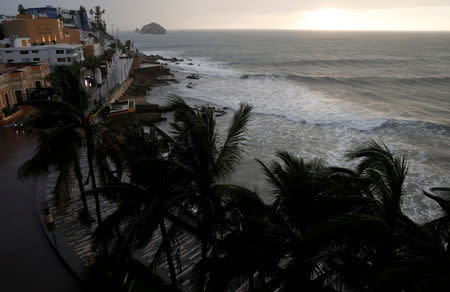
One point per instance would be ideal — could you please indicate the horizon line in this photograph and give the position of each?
(300, 29)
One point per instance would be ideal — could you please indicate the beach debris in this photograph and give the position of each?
(220, 113)
(193, 76)
(190, 64)
(217, 111)
(190, 85)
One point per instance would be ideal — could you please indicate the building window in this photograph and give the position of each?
(60, 60)
(19, 96)
(8, 52)
(69, 59)
(38, 84)
(35, 51)
(59, 52)
(10, 61)
(7, 100)
(36, 59)
(69, 51)
(24, 52)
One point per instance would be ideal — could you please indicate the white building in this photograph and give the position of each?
(57, 54)
(15, 42)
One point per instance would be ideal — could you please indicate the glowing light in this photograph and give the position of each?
(326, 19)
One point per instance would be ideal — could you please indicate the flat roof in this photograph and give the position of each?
(11, 68)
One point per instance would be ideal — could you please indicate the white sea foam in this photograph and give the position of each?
(309, 123)
(222, 85)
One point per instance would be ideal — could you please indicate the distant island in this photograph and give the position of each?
(153, 28)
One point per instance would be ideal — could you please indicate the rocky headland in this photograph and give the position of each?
(153, 28)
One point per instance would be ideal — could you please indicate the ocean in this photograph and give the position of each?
(321, 94)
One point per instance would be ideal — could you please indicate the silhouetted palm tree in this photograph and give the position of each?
(55, 149)
(155, 191)
(208, 161)
(248, 247)
(66, 109)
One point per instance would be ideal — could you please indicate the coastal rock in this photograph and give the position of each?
(193, 76)
(158, 57)
(153, 28)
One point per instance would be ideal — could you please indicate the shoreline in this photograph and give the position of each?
(147, 74)
(270, 132)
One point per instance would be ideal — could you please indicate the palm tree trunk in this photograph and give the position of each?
(79, 177)
(204, 244)
(66, 188)
(90, 154)
(251, 283)
(202, 268)
(173, 276)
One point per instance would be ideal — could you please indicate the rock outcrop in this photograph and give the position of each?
(137, 30)
(153, 28)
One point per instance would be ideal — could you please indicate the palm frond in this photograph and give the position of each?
(231, 150)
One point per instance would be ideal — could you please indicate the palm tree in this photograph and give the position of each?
(249, 246)
(298, 187)
(155, 189)
(197, 147)
(374, 246)
(301, 199)
(55, 149)
(417, 258)
(66, 112)
(131, 227)
(387, 173)
(57, 146)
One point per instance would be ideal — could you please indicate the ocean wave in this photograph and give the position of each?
(351, 61)
(445, 80)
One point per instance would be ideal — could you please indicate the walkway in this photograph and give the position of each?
(27, 261)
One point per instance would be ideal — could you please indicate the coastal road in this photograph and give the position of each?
(27, 261)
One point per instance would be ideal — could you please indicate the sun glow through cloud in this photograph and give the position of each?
(423, 18)
(329, 18)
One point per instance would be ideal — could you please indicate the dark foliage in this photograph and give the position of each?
(327, 228)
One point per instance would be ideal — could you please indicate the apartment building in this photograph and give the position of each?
(43, 30)
(58, 54)
(19, 80)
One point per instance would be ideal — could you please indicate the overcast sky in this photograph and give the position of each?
(264, 14)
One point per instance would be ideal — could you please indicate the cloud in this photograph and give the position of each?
(175, 14)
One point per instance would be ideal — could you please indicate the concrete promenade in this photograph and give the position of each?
(27, 260)
(79, 236)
